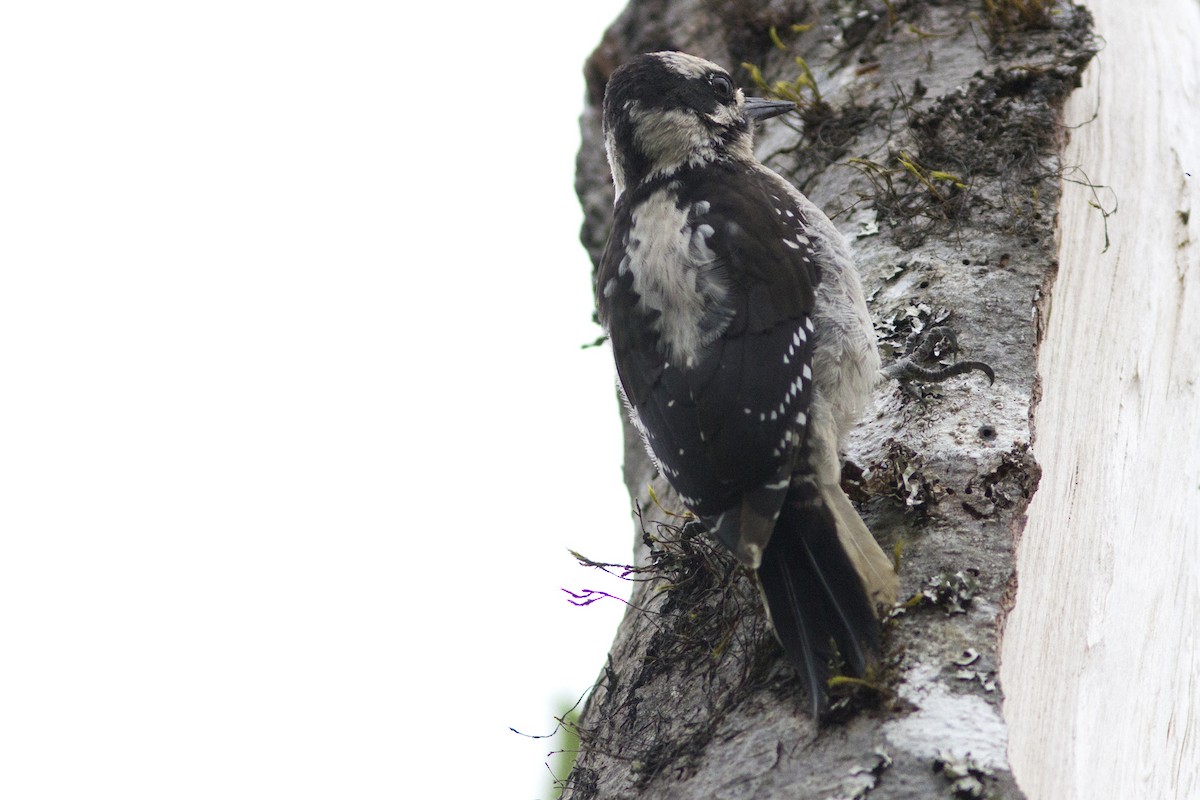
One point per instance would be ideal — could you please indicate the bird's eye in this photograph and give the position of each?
(722, 85)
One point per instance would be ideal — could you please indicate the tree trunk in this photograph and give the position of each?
(932, 137)
(1102, 650)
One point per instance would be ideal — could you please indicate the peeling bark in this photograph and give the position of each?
(934, 145)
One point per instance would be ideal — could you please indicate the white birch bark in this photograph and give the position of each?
(1101, 653)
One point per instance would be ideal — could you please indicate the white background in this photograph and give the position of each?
(295, 427)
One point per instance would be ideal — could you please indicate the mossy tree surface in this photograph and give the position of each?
(933, 141)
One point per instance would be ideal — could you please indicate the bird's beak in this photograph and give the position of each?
(758, 108)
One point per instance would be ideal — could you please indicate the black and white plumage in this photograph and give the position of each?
(744, 350)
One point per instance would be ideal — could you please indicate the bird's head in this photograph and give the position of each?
(667, 110)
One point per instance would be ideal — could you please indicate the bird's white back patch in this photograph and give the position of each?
(674, 275)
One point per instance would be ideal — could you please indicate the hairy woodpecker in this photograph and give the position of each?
(744, 351)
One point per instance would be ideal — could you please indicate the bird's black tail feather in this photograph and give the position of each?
(815, 597)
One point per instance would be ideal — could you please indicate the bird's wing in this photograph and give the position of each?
(729, 421)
